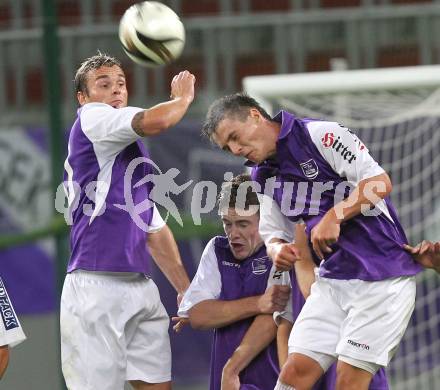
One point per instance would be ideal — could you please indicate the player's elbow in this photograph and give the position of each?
(377, 187)
(198, 318)
(198, 323)
(387, 186)
(148, 123)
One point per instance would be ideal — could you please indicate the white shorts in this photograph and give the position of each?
(114, 328)
(359, 320)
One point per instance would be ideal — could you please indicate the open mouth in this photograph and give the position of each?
(237, 246)
(115, 103)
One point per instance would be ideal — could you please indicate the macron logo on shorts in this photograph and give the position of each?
(358, 345)
(7, 313)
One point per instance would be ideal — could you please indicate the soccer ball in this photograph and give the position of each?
(151, 34)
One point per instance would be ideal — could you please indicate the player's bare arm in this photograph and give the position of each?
(369, 192)
(286, 256)
(426, 253)
(163, 249)
(283, 254)
(259, 335)
(160, 117)
(304, 269)
(283, 333)
(4, 359)
(213, 313)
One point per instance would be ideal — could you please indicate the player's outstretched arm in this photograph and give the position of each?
(259, 335)
(158, 118)
(4, 359)
(426, 253)
(163, 249)
(215, 313)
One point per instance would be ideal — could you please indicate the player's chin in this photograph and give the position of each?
(118, 104)
(256, 158)
(240, 254)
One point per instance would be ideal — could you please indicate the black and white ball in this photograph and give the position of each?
(151, 34)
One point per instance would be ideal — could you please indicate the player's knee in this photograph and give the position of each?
(295, 374)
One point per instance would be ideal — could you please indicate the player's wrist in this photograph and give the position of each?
(259, 307)
(231, 368)
(184, 99)
(335, 215)
(237, 362)
(274, 248)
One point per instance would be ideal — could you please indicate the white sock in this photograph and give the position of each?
(282, 386)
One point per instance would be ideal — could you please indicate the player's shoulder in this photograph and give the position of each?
(92, 113)
(220, 242)
(95, 106)
(216, 246)
(324, 133)
(215, 242)
(321, 126)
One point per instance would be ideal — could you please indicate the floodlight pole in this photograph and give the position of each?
(51, 57)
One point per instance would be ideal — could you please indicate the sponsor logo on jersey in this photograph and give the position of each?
(310, 168)
(259, 266)
(8, 316)
(229, 264)
(358, 345)
(330, 141)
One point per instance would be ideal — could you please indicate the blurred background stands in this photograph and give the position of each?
(226, 41)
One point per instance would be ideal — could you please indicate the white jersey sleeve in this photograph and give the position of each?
(343, 151)
(109, 128)
(346, 154)
(11, 332)
(157, 222)
(206, 283)
(281, 278)
(273, 224)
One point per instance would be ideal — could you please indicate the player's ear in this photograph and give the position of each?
(254, 114)
(81, 98)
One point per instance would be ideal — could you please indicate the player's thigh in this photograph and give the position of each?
(378, 315)
(301, 371)
(317, 327)
(148, 343)
(349, 377)
(91, 324)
